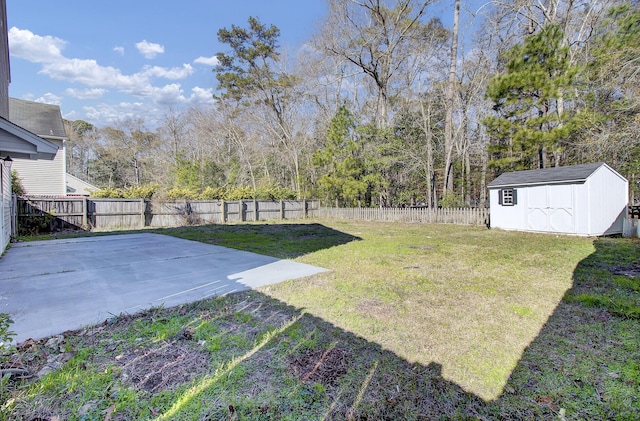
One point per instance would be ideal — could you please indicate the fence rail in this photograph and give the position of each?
(459, 216)
(43, 214)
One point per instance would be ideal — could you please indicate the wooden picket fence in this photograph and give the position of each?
(458, 216)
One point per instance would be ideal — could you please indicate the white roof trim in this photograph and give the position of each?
(63, 138)
(42, 146)
(538, 183)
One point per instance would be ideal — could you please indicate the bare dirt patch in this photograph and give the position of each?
(631, 271)
(376, 308)
(321, 366)
(164, 367)
(423, 248)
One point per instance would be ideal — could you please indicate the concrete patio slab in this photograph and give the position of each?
(49, 287)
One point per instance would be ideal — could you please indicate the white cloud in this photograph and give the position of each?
(49, 98)
(106, 114)
(73, 115)
(149, 49)
(34, 48)
(168, 94)
(96, 81)
(174, 73)
(201, 95)
(89, 72)
(48, 52)
(86, 93)
(111, 113)
(209, 61)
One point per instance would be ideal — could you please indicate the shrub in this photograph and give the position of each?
(269, 192)
(238, 193)
(178, 193)
(272, 192)
(452, 200)
(143, 191)
(106, 193)
(16, 184)
(5, 333)
(213, 193)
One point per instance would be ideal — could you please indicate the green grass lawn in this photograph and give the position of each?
(413, 322)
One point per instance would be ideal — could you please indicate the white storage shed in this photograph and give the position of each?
(588, 200)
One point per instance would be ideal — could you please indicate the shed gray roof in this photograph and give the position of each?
(572, 173)
(45, 120)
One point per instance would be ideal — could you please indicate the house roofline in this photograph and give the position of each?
(43, 146)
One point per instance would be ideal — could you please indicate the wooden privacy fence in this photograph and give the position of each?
(459, 216)
(43, 214)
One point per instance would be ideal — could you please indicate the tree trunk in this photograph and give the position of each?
(426, 127)
(448, 124)
(467, 165)
(483, 178)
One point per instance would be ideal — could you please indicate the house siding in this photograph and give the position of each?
(5, 207)
(75, 186)
(43, 177)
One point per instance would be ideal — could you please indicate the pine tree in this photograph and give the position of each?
(532, 122)
(340, 159)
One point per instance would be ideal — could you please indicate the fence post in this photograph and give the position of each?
(243, 214)
(304, 208)
(85, 225)
(14, 216)
(223, 208)
(281, 209)
(255, 211)
(143, 209)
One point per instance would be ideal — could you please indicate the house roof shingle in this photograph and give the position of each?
(45, 120)
(576, 173)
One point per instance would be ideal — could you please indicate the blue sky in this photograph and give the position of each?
(103, 61)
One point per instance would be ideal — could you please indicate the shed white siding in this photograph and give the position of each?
(506, 217)
(595, 203)
(43, 177)
(608, 201)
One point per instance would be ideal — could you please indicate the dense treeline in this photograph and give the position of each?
(386, 107)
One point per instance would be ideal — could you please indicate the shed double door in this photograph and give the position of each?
(551, 208)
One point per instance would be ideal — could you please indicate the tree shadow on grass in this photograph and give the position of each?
(585, 363)
(281, 240)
